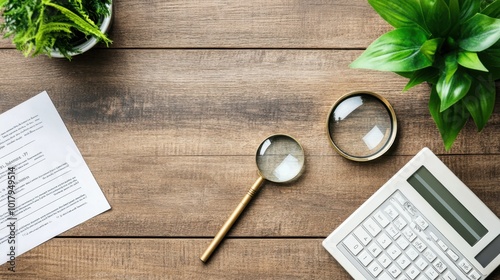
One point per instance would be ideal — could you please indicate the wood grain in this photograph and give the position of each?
(191, 197)
(177, 102)
(122, 258)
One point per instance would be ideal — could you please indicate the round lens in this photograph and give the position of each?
(280, 158)
(362, 126)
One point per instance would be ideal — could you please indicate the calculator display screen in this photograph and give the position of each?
(447, 206)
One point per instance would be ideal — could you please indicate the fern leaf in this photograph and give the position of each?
(78, 5)
(82, 25)
(56, 27)
(45, 42)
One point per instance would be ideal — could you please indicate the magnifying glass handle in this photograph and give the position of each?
(230, 221)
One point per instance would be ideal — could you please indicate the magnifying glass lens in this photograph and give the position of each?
(280, 158)
(361, 126)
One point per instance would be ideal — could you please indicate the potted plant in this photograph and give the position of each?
(58, 28)
(451, 44)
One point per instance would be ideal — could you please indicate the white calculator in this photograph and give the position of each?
(424, 223)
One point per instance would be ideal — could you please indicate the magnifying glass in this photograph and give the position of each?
(362, 126)
(280, 159)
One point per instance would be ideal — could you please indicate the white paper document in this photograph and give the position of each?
(51, 188)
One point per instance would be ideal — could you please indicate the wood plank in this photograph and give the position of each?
(63, 258)
(212, 102)
(243, 24)
(192, 196)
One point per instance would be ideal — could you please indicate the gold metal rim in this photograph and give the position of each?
(301, 148)
(387, 145)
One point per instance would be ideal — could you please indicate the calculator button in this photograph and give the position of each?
(434, 237)
(384, 276)
(381, 219)
(429, 255)
(403, 261)
(402, 242)
(362, 235)
(419, 244)
(452, 255)
(391, 212)
(431, 273)
(474, 275)
(365, 258)
(449, 276)
(372, 227)
(442, 245)
(410, 209)
(421, 222)
(465, 266)
(384, 260)
(353, 245)
(412, 272)
(384, 240)
(402, 211)
(403, 277)
(394, 251)
(393, 231)
(400, 223)
(439, 265)
(375, 269)
(399, 198)
(412, 253)
(374, 249)
(409, 234)
(394, 271)
(421, 263)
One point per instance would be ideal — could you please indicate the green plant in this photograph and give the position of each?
(40, 26)
(451, 44)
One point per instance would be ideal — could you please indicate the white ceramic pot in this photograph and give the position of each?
(87, 45)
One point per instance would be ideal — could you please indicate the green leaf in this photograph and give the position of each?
(430, 47)
(437, 16)
(485, 3)
(492, 10)
(428, 74)
(450, 121)
(397, 13)
(84, 26)
(480, 100)
(396, 51)
(454, 8)
(491, 60)
(78, 5)
(453, 84)
(450, 65)
(407, 75)
(479, 33)
(42, 37)
(470, 60)
(468, 8)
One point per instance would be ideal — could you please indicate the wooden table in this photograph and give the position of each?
(169, 118)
